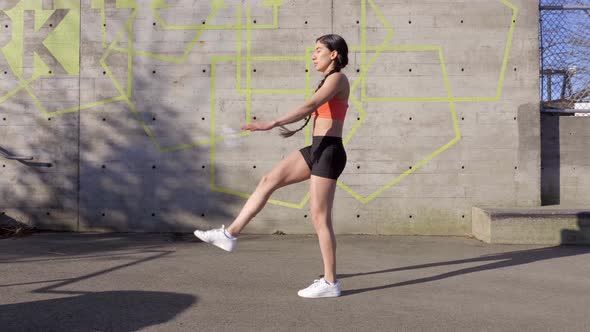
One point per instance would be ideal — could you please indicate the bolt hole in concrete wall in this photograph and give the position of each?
(203, 78)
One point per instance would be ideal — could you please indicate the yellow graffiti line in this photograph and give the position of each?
(408, 172)
(129, 28)
(366, 66)
(362, 117)
(278, 91)
(25, 84)
(275, 19)
(239, 54)
(410, 48)
(224, 58)
(444, 71)
(299, 205)
(207, 141)
(11, 93)
(103, 64)
(308, 50)
(248, 65)
(398, 48)
(13, 51)
(271, 201)
(249, 91)
(278, 58)
(378, 51)
(408, 99)
(212, 123)
(403, 48)
(122, 93)
(509, 4)
(507, 48)
(421, 163)
(15, 90)
(367, 199)
(99, 4)
(32, 94)
(430, 99)
(86, 106)
(308, 130)
(363, 48)
(307, 59)
(474, 99)
(147, 54)
(103, 26)
(351, 192)
(380, 16)
(19, 88)
(214, 138)
(63, 42)
(165, 58)
(206, 26)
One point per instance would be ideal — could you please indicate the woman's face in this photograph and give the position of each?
(323, 58)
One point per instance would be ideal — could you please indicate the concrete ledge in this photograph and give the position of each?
(542, 225)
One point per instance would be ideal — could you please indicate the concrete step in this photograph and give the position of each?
(541, 225)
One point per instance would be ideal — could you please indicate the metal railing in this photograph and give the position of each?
(13, 157)
(25, 160)
(564, 37)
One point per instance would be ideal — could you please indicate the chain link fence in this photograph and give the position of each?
(564, 37)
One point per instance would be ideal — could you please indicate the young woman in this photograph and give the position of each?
(321, 163)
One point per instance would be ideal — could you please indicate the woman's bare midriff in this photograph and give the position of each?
(327, 127)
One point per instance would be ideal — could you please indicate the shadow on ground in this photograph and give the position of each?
(100, 311)
(490, 262)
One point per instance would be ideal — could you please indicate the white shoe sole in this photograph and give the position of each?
(319, 296)
(198, 235)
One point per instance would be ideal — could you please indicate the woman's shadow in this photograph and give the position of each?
(494, 261)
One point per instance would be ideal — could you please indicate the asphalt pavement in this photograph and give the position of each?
(173, 282)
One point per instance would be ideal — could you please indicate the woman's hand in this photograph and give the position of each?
(254, 126)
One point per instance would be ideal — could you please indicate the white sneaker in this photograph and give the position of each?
(320, 288)
(218, 237)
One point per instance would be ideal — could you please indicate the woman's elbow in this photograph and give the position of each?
(310, 107)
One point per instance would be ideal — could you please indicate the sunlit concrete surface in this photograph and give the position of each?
(172, 282)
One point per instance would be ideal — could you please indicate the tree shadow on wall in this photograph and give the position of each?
(108, 174)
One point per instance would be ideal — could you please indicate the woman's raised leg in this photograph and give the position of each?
(290, 170)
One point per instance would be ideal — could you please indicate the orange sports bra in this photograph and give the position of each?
(334, 109)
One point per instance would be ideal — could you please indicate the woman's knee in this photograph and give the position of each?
(269, 182)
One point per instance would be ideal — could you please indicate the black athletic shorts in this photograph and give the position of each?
(325, 156)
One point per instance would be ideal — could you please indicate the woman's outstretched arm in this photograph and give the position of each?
(333, 85)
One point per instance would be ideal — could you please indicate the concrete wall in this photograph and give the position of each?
(566, 163)
(137, 106)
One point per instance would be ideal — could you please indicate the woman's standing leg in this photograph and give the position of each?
(290, 170)
(322, 192)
